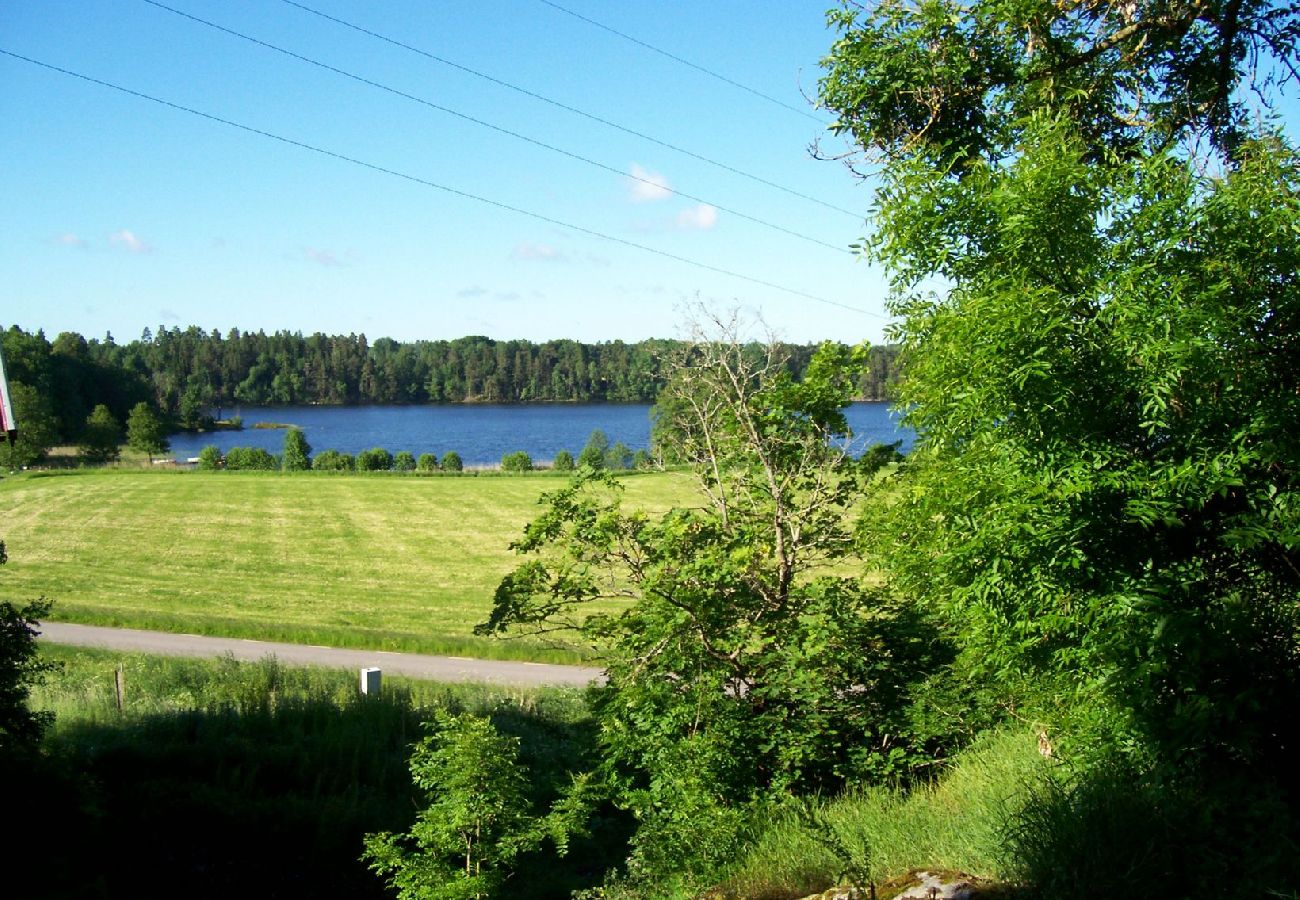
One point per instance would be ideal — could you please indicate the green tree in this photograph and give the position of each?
(1104, 495)
(20, 667)
(519, 461)
(146, 432)
(427, 462)
(563, 461)
(477, 820)
(297, 452)
(728, 657)
(404, 461)
(37, 428)
(593, 452)
(618, 456)
(451, 461)
(101, 436)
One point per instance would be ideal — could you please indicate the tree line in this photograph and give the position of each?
(189, 374)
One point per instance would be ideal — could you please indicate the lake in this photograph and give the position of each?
(480, 433)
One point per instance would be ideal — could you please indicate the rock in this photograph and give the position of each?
(841, 893)
(915, 885)
(937, 887)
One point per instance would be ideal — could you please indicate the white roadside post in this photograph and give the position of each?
(370, 678)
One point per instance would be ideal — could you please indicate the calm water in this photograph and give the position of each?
(481, 434)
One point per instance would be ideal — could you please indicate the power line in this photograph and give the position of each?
(573, 109)
(497, 128)
(441, 187)
(685, 62)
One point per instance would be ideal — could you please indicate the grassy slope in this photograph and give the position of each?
(222, 779)
(400, 563)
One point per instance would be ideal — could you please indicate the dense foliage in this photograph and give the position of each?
(1104, 498)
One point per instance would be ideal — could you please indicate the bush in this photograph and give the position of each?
(563, 461)
(297, 452)
(247, 458)
(333, 461)
(426, 463)
(404, 461)
(519, 461)
(210, 458)
(376, 459)
(618, 456)
(642, 459)
(451, 461)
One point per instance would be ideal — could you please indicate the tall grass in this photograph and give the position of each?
(956, 823)
(222, 778)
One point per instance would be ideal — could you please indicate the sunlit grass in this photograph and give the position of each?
(957, 824)
(383, 562)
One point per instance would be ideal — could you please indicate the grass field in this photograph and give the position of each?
(383, 562)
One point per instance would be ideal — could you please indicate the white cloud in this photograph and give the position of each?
(128, 241)
(68, 239)
(533, 250)
(700, 217)
(647, 186)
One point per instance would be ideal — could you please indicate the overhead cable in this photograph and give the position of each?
(573, 109)
(437, 186)
(498, 128)
(685, 62)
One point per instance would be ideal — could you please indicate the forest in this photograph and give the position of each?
(189, 374)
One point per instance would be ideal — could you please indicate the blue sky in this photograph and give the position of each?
(122, 214)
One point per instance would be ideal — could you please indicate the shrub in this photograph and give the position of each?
(376, 459)
(451, 461)
(519, 461)
(333, 461)
(642, 459)
(563, 461)
(426, 463)
(210, 458)
(404, 461)
(250, 458)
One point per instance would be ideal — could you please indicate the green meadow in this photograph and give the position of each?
(376, 561)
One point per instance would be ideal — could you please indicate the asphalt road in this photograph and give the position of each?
(412, 665)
